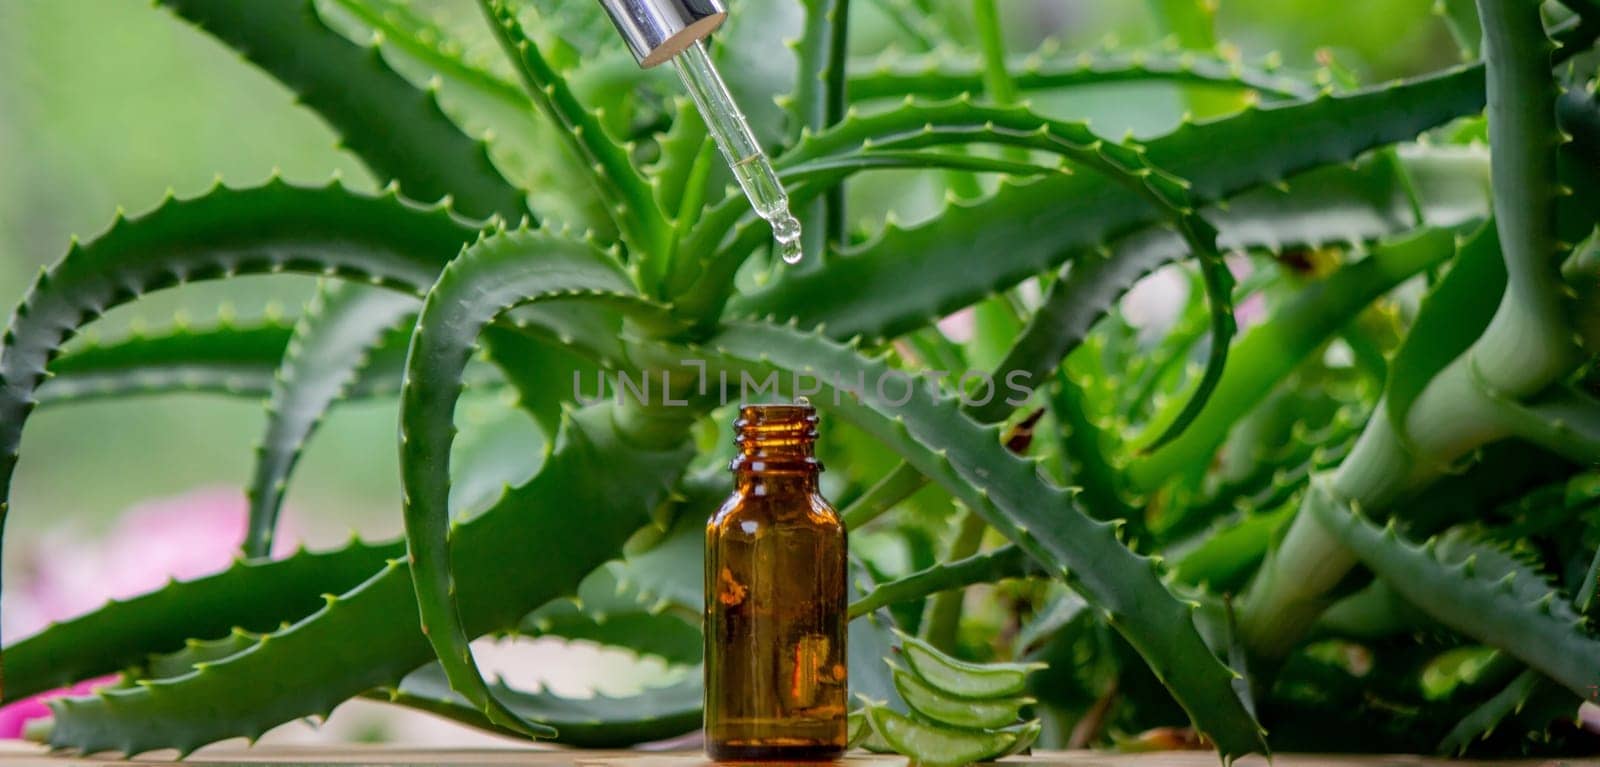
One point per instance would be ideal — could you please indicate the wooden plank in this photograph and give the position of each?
(20, 754)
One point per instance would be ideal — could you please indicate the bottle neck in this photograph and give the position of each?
(761, 483)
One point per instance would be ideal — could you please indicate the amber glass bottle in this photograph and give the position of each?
(775, 599)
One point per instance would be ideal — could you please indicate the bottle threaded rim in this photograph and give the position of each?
(776, 438)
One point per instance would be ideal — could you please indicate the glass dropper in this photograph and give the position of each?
(731, 132)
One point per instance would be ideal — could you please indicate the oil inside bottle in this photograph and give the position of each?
(776, 679)
(731, 132)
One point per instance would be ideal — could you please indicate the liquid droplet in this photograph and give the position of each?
(786, 231)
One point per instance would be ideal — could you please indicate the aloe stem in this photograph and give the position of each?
(997, 80)
(1005, 562)
(942, 621)
(835, 102)
(895, 487)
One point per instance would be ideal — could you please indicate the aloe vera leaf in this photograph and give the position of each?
(1190, 25)
(1273, 469)
(1085, 292)
(397, 130)
(1542, 631)
(1453, 316)
(401, 26)
(628, 197)
(835, 102)
(1027, 734)
(1095, 280)
(1375, 612)
(1329, 205)
(1525, 347)
(544, 374)
(1378, 610)
(941, 616)
(939, 76)
(661, 583)
(609, 612)
(580, 42)
(1528, 687)
(940, 442)
(585, 29)
(1564, 421)
(195, 654)
(672, 572)
(682, 147)
(603, 721)
(1086, 450)
(858, 727)
(1191, 22)
(1461, 16)
(1018, 126)
(914, 22)
(956, 678)
(331, 344)
(1063, 607)
(272, 228)
(930, 745)
(998, 84)
(1263, 145)
(1529, 342)
(938, 706)
(907, 159)
(523, 148)
(896, 486)
(1270, 351)
(1130, 166)
(1227, 557)
(499, 448)
(1128, 387)
(368, 637)
(1582, 273)
(988, 567)
(236, 359)
(491, 277)
(872, 638)
(818, 99)
(253, 595)
(1482, 720)
(871, 741)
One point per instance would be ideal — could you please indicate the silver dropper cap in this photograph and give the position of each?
(657, 30)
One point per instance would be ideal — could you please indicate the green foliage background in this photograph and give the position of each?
(1220, 561)
(111, 102)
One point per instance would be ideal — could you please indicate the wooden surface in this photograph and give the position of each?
(16, 754)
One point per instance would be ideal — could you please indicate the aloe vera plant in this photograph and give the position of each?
(1249, 532)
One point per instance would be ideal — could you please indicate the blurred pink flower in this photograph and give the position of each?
(958, 327)
(68, 573)
(1251, 310)
(15, 716)
(1589, 716)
